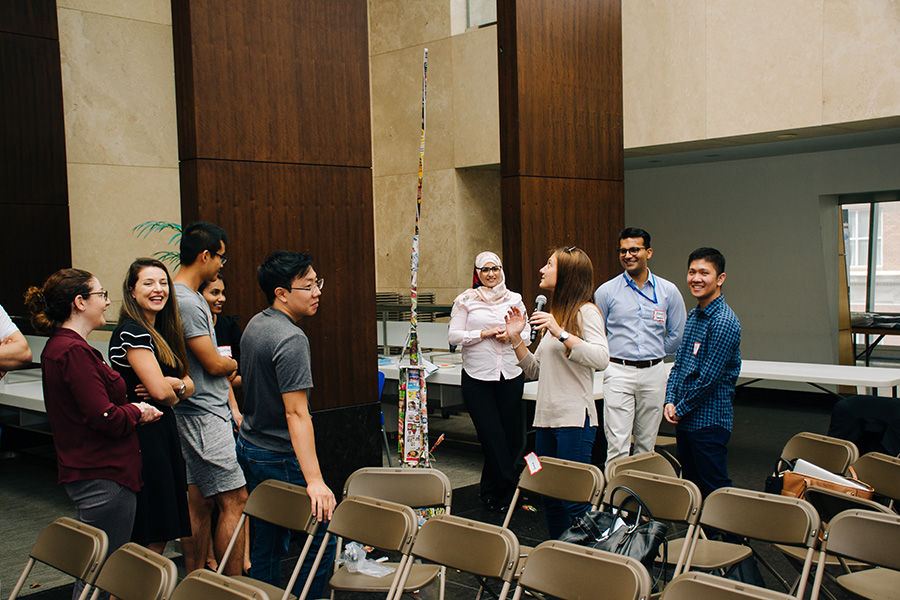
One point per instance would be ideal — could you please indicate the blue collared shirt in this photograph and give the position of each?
(707, 365)
(637, 328)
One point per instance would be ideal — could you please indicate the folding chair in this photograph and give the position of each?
(206, 585)
(760, 516)
(478, 548)
(421, 489)
(832, 454)
(135, 573)
(285, 505)
(648, 462)
(572, 572)
(882, 472)
(69, 546)
(380, 523)
(871, 537)
(669, 499)
(703, 586)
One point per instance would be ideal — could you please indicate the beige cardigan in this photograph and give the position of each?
(566, 384)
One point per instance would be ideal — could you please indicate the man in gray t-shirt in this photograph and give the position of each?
(276, 439)
(204, 420)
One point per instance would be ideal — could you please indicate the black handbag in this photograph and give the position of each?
(638, 535)
(775, 481)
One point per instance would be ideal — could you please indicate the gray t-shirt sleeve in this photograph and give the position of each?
(292, 363)
(193, 319)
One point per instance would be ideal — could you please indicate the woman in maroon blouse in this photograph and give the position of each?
(92, 422)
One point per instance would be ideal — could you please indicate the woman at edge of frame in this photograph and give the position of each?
(572, 346)
(492, 382)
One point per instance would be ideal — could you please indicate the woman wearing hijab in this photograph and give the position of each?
(491, 381)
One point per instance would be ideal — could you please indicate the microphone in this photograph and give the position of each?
(539, 303)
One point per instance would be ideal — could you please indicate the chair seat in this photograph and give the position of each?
(799, 554)
(874, 584)
(274, 593)
(710, 555)
(420, 575)
(674, 551)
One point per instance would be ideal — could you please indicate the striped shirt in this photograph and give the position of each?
(707, 365)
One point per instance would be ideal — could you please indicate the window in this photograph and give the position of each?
(873, 288)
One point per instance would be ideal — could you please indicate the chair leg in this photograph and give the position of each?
(22, 579)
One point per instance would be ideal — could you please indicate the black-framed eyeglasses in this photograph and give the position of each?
(102, 293)
(319, 284)
(222, 257)
(632, 251)
(487, 270)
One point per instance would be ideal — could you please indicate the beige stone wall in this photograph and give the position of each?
(121, 138)
(696, 70)
(460, 205)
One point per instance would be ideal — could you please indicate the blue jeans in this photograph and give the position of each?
(568, 443)
(270, 543)
(703, 455)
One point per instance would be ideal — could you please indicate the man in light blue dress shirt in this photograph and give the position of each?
(645, 318)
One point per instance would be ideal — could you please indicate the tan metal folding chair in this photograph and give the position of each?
(870, 537)
(669, 499)
(421, 489)
(882, 472)
(135, 573)
(760, 516)
(206, 585)
(69, 546)
(384, 525)
(484, 550)
(285, 505)
(832, 454)
(571, 572)
(648, 462)
(703, 586)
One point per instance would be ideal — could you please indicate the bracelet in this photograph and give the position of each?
(517, 345)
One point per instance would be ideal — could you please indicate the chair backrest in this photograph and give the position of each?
(880, 471)
(571, 572)
(373, 522)
(695, 585)
(668, 498)
(280, 503)
(832, 454)
(829, 503)
(867, 536)
(467, 545)
(417, 488)
(766, 517)
(135, 573)
(72, 547)
(562, 479)
(648, 462)
(206, 585)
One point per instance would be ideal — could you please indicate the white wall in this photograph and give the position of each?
(775, 220)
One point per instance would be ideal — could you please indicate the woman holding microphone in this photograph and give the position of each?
(491, 381)
(573, 345)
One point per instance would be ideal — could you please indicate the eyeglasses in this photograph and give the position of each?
(318, 285)
(487, 270)
(102, 293)
(222, 258)
(632, 251)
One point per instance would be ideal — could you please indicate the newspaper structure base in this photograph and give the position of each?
(413, 417)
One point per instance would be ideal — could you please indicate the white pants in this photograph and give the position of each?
(632, 404)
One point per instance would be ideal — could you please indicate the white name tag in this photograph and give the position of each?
(533, 463)
(659, 316)
(224, 351)
(696, 348)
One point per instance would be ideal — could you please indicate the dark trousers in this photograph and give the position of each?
(704, 457)
(495, 408)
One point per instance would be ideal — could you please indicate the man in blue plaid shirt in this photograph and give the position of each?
(700, 390)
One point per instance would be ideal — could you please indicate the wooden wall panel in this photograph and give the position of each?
(541, 213)
(561, 87)
(33, 187)
(286, 82)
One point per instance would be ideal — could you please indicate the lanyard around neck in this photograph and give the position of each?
(632, 285)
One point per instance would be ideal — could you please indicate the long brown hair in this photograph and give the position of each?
(574, 287)
(51, 304)
(166, 331)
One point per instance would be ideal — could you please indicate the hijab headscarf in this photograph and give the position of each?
(490, 295)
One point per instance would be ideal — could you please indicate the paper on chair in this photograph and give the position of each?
(803, 467)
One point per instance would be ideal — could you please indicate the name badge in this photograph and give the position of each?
(696, 348)
(659, 316)
(224, 351)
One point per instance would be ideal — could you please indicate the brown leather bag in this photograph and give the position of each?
(795, 485)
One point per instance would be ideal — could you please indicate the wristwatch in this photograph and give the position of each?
(563, 336)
